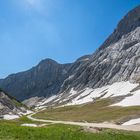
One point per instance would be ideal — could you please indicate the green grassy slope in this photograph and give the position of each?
(99, 111)
(12, 131)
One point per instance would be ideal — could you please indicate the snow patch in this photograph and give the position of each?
(29, 125)
(72, 92)
(90, 95)
(120, 89)
(133, 100)
(114, 90)
(45, 101)
(10, 117)
(132, 122)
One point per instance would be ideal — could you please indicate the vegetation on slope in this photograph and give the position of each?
(13, 131)
(99, 111)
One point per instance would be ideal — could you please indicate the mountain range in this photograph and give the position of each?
(116, 61)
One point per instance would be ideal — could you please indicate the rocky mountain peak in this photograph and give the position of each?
(129, 23)
(43, 80)
(47, 62)
(116, 60)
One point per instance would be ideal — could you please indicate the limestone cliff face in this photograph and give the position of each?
(129, 23)
(118, 59)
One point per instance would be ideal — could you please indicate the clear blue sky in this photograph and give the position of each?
(31, 30)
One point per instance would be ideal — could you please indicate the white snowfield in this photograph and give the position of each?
(10, 117)
(90, 95)
(132, 122)
(133, 100)
(41, 104)
(114, 90)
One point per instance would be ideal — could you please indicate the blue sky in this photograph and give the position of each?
(32, 30)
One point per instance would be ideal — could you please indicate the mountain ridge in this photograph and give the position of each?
(116, 60)
(35, 75)
(125, 26)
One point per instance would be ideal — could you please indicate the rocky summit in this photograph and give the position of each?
(43, 80)
(118, 59)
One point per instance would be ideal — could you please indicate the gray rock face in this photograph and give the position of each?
(118, 59)
(43, 80)
(129, 23)
(8, 104)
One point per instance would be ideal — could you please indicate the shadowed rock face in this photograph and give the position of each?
(43, 80)
(118, 59)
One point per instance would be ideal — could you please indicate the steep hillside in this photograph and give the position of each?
(118, 59)
(41, 81)
(9, 107)
(115, 63)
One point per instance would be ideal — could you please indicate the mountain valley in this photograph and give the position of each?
(98, 95)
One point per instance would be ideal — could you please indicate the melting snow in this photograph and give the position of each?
(45, 101)
(133, 100)
(89, 95)
(30, 125)
(114, 90)
(132, 122)
(10, 117)
(120, 89)
(72, 92)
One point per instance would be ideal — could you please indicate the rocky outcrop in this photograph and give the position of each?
(9, 105)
